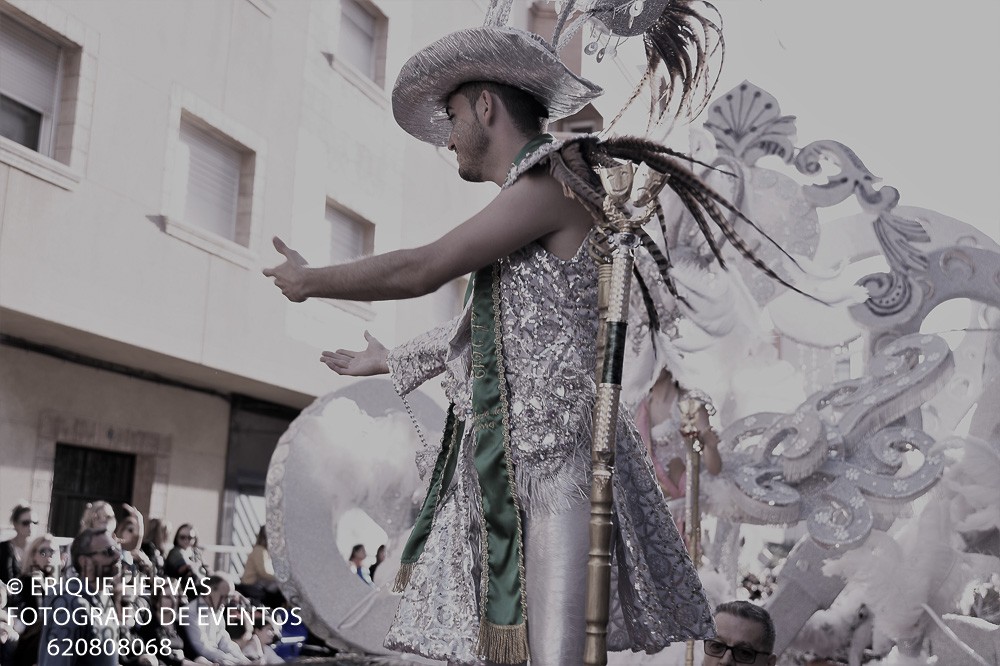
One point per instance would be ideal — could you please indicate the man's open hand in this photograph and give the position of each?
(289, 277)
(371, 361)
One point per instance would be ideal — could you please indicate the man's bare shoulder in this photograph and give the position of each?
(544, 198)
(546, 194)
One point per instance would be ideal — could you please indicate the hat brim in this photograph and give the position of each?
(500, 55)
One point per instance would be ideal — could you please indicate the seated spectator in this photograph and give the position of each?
(379, 558)
(258, 581)
(162, 630)
(239, 628)
(96, 561)
(41, 560)
(184, 559)
(98, 516)
(135, 567)
(12, 550)
(357, 560)
(265, 634)
(129, 534)
(42, 563)
(155, 544)
(43, 557)
(205, 633)
(744, 634)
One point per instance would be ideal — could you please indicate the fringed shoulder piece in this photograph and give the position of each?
(531, 160)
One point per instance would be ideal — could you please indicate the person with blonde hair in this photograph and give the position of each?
(98, 515)
(41, 563)
(42, 557)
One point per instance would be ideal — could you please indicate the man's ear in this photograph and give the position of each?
(486, 107)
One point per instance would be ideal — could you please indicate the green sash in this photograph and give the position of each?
(503, 635)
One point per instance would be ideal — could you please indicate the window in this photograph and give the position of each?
(218, 181)
(363, 31)
(213, 189)
(48, 81)
(82, 474)
(29, 86)
(350, 236)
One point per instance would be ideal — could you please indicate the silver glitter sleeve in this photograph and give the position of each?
(418, 359)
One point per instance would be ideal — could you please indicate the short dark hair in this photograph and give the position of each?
(215, 580)
(754, 613)
(18, 510)
(357, 549)
(81, 545)
(525, 111)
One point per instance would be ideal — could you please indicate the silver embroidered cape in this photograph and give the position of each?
(549, 327)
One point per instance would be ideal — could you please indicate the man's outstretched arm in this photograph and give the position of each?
(529, 210)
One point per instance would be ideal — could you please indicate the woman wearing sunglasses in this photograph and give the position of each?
(42, 563)
(184, 559)
(12, 552)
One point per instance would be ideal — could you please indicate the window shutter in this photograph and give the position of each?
(213, 181)
(29, 67)
(348, 237)
(357, 37)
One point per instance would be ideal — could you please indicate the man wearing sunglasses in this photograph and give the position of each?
(744, 634)
(85, 638)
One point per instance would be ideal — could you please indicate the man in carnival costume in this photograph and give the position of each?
(495, 568)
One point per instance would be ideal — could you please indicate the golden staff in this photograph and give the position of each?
(689, 407)
(614, 282)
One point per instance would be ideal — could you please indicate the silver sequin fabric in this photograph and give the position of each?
(549, 326)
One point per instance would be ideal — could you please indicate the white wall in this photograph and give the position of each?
(190, 430)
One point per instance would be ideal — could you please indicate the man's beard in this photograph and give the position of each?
(109, 571)
(476, 143)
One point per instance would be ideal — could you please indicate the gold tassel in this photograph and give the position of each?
(402, 577)
(503, 644)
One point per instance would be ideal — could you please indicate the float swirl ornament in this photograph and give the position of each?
(835, 462)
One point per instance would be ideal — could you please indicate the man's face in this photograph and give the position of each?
(219, 595)
(738, 632)
(468, 138)
(266, 634)
(103, 560)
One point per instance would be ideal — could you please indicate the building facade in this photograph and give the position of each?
(148, 153)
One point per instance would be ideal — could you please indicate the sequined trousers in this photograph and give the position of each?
(549, 326)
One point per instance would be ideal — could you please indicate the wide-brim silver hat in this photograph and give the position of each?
(498, 54)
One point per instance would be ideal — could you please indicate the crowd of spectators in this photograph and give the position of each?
(226, 622)
(154, 596)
